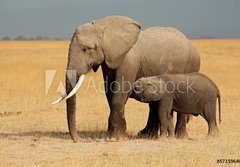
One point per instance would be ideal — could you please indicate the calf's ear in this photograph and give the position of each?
(161, 88)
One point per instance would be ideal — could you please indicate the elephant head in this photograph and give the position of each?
(148, 89)
(104, 40)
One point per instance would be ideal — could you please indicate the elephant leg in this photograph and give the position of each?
(109, 77)
(165, 117)
(152, 127)
(180, 129)
(209, 114)
(170, 125)
(119, 89)
(116, 122)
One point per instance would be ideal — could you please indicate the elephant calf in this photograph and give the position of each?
(192, 93)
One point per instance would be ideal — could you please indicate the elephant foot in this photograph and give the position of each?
(181, 133)
(213, 133)
(148, 133)
(117, 134)
(181, 128)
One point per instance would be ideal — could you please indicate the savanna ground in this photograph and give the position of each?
(34, 133)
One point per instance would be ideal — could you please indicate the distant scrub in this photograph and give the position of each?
(38, 38)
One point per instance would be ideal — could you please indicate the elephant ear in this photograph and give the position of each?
(120, 33)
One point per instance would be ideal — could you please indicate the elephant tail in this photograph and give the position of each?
(219, 106)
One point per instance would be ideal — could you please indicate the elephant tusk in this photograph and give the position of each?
(58, 100)
(77, 86)
(74, 90)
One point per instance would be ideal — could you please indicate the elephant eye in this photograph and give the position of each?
(84, 50)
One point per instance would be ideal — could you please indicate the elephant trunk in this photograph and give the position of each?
(71, 111)
(71, 89)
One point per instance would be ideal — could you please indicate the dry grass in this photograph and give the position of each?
(34, 133)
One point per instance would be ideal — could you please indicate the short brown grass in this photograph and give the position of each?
(34, 133)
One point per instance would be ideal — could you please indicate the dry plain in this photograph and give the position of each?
(34, 133)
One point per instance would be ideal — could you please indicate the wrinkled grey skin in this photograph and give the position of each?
(124, 52)
(192, 93)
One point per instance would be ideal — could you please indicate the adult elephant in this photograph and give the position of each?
(126, 53)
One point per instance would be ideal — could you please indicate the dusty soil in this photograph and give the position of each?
(34, 133)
